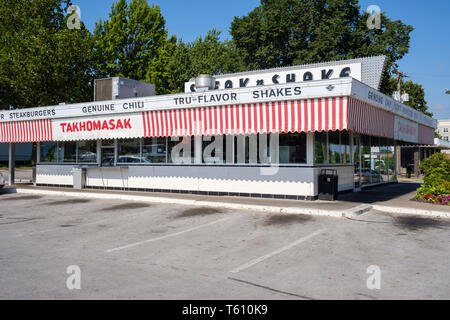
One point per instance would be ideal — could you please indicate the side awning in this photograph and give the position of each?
(369, 120)
(26, 131)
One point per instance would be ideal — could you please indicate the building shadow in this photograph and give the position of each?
(381, 193)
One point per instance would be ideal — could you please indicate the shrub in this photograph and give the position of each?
(436, 187)
(436, 169)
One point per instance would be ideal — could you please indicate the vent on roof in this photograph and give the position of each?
(121, 88)
(205, 82)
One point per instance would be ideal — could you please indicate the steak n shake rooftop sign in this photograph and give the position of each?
(284, 77)
(367, 70)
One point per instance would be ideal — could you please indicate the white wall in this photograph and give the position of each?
(300, 181)
(287, 181)
(54, 174)
(346, 177)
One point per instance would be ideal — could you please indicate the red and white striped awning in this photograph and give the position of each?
(426, 135)
(306, 115)
(26, 131)
(367, 119)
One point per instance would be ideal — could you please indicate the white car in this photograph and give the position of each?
(2, 181)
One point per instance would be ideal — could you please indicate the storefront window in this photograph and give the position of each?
(367, 173)
(48, 152)
(357, 160)
(346, 147)
(332, 148)
(69, 152)
(181, 150)
(129, 151)
(154, 150)
(87, 151)
(241, 149)
(292, 148)
(254, 149)
(377, 160)
(214, 149)
(320, 148)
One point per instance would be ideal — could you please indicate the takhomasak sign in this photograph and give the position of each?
(99, 127)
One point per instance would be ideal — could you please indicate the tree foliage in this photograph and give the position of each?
(42, 62)
(204, 55)
(282, 33)
(133, 43)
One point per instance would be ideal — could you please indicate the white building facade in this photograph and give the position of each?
(263, 134)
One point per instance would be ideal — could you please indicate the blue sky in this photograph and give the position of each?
(428, 61)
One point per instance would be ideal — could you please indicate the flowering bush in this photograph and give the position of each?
(442, 199)
(436, 189)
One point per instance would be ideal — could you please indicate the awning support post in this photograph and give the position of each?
(11, 164)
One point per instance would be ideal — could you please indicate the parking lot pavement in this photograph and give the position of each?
(128, 250)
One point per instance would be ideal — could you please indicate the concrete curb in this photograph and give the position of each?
(413, 211)
(349, 213)
(225, 205)
(357, 211)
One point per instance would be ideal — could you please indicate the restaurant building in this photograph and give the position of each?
(262, 133)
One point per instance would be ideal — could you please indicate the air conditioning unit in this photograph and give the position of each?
(121, 88)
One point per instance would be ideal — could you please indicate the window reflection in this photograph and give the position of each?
(332, 147)
(293, 148)
(48, 151)
(181, 150)
(376, 162)
(129, 151)
(87, 151)
(154, 150)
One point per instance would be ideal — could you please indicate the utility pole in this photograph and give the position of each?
(400, 75)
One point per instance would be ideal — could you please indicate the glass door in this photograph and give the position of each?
(357, 163)
(108, 153)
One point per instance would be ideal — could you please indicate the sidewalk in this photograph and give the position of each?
(23, 175)
(395, 198)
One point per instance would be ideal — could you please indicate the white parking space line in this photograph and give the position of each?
(167, 236)
(285, 248)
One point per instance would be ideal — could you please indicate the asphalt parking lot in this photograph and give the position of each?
(132, 250)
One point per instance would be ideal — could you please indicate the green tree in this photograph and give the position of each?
(42, 61)
(204, 55)
(289, 32)
(134, 43)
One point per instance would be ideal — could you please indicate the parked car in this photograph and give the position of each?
(366, 175)
(132, 159)
(2, 181)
